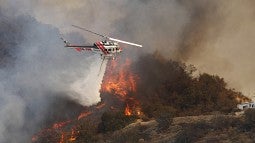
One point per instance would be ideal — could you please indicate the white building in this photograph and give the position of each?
(246, 105)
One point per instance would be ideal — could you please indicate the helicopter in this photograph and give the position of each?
(108, 48)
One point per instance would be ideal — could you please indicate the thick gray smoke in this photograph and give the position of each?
(39, 76)
(215, 36)
(219, 39)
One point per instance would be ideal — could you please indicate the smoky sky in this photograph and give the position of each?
(215, 36)
(40, 78)
(218, 40)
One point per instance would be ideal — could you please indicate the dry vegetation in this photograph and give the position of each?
(176, 107)
(166, 91)
(188, 129)
(169, 85)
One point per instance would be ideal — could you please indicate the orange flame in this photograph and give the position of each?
(84, 114)
(120, 81)
(68, 137)
(73, 137)
(56, 126)
(101, 105)
(60, 124)
(62, 138)
(128, 111)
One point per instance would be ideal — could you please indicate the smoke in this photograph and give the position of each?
(218, 40)
(215, 36)
(40, 78)
(90, 83)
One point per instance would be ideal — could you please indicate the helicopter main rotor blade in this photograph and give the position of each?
(89, 31)
(125, 42)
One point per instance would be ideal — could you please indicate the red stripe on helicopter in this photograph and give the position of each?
(104, 48)
(78, 49)
(101, 47)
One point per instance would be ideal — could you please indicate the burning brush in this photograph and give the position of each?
(119, 84)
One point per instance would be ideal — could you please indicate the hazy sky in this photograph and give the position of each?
(216, 36)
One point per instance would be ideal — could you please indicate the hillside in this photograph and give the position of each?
(156, 100)
(164, 102)
(203, 128)
(171, 85)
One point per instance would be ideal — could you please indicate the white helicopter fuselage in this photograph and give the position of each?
(107, 48)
